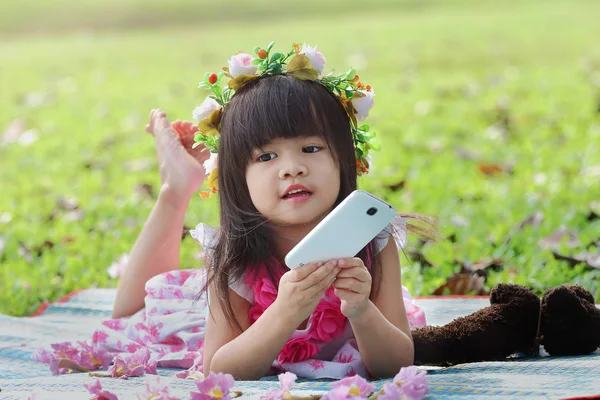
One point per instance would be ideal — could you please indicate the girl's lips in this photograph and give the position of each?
(295, 187)
(298, 197)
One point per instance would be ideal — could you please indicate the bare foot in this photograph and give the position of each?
(180, 169)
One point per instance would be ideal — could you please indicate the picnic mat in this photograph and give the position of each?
(76, 316)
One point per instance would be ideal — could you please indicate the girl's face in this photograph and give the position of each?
(301, 163)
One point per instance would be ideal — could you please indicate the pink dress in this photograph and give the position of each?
(173, 322)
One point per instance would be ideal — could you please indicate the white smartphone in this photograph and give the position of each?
(358, 219)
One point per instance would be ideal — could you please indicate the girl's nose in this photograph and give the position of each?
(292, 168)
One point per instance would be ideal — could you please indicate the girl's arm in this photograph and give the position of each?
(249, 353)
(156, 250)
(382, 330)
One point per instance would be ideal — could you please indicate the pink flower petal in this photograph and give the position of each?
(155, 390)
(287, 381)
(391, 391)
(194, 372)
(135, 364)
(354, 383)
(95, 388)
(42, 355)
(214, 385)
(413, 382)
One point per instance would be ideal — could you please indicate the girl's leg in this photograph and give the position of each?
(156, 249)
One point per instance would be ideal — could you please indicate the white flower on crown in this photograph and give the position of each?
(241, 64)
(316, 57)
(363, 104)
(208, 106)
(211, 163)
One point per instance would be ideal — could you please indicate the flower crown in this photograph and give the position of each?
(304, 64)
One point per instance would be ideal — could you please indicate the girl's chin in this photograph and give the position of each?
(298, 219)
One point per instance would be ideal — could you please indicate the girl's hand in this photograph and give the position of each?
(301, 289)
(181, 169)
(353, 287)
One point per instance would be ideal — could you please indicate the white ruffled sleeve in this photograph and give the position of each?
(206, 236)
(397, 230)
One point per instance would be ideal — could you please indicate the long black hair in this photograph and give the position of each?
(265, 109)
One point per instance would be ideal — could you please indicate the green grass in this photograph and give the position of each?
(443, 72)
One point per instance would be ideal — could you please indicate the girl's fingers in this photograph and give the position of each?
(351, 262)
(320, 274)
(350, 284)
(348, 295)
(300, 273)
(320, 287)
(358, 273)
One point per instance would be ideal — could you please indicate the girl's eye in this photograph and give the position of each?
(311, 149)
(266, 157)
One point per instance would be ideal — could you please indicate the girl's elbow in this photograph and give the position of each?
(216, 365)
(119, 312)
(206, 367)
(410, 356)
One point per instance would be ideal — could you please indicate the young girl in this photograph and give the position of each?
(288, 148)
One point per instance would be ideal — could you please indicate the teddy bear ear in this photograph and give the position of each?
(564, 301)
(582, 293)
(504, 293)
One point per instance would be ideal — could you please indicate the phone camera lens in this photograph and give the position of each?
(371, 211)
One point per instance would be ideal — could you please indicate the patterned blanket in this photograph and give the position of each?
(76, 316)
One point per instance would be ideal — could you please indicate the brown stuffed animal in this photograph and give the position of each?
(569, 324)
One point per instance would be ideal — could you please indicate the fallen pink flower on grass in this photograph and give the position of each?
(391, 391)
(194, 372)
(214, 386)
(93, 358)
(155, 390)
(135, 364)
(408, 384)
(355, 387)
(413, 383)
(287, 381)
(95, 388)
(66, 357)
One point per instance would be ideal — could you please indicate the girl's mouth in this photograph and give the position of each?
(296, 192)
(297, 195)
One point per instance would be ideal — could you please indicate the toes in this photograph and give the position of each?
(191, 127)
(184, 128)
(176, 125)
(160, 119)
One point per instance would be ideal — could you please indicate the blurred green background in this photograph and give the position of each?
(488, 113)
